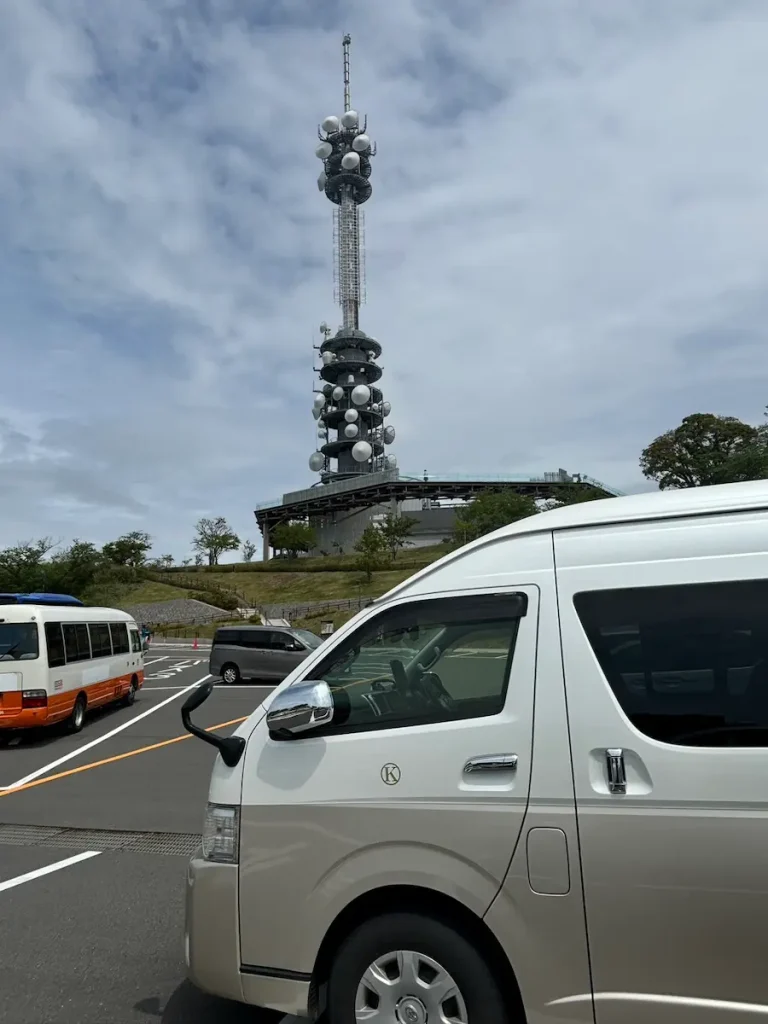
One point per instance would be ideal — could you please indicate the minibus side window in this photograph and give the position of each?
(55, 643)
(119, 632)
(77, 644)
(135, 641)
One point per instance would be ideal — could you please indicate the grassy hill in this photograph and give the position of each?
(281, 583)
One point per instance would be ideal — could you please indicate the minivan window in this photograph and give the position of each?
(425, 661)
(310, 639)
(688, 664)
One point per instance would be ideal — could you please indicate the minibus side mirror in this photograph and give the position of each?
(301, 708)
(230, 747)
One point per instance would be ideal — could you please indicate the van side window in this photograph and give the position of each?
(687, 664)
(119, 631)
(135, 641)
(426, 661)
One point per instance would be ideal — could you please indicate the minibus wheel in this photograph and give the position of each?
(130, 697)
(412, 969)
(77, 718)
(230, 674)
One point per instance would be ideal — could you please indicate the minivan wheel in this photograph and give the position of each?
(230, 674)
(77, 718)
(410, 969)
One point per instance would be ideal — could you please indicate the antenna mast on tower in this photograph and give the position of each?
(348, 402)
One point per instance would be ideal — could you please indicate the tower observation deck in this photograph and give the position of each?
(349, 406)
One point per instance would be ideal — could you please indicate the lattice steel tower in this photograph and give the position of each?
(347, 402)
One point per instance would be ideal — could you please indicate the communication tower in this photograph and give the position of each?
(349, 407)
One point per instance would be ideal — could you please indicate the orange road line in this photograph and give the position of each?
(116, 757)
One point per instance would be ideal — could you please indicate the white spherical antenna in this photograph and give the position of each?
(327, 358)
(376, 407)
(389, 435)
(319, 401)
(324, 327)
(316, 413)
(338, 394)
(324, 150)
(316, 461)
(361, 143)
(330, 124)
(361, 451)
(350, 161)
(361, 394)
(351, 430)
(391, 462)
(349, 120)
(351, 415)
(386, 408)
(321, 180)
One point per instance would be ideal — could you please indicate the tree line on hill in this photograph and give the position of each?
(704, 449)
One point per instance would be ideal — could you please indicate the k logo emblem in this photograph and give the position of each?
(390, 774)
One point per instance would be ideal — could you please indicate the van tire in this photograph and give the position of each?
(230, 674)
(434, 939)
(77, 717)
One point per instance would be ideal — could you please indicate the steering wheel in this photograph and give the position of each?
(399, 678)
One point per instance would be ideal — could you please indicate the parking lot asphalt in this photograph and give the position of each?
(95, 833)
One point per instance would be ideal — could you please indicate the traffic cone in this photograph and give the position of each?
(194, 645)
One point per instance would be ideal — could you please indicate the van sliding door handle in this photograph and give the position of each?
(491, 763)
(617, 774)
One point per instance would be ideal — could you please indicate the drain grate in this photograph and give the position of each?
(169, 844)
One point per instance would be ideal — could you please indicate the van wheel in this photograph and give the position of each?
(230, 674)
(77, 718)
(130, 697)
(409, 968)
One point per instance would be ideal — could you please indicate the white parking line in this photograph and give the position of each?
(47, 870)
(164, 658)
(101, 739)
(238, 686)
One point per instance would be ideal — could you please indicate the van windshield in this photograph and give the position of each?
(18, 640)
(309, 638)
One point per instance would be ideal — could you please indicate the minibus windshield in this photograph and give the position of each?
(18, 640)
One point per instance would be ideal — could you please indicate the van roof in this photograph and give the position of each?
(689, 501)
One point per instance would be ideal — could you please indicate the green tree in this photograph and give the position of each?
(131, 549)
(23, 568)
(574, 494)
(707, 449)
(395, 530)
(490, 511)
(371, 549)
(293, 538)
(249, 550)
(213, 537)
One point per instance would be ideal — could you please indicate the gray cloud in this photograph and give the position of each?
(566, 244)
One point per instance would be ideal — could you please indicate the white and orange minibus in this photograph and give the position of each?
(59, 659)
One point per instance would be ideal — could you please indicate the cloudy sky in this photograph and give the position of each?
(567, 244)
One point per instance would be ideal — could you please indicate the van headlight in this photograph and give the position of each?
(221, 833)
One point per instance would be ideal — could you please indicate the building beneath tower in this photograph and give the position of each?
(358, 481)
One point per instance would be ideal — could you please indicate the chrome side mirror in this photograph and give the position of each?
(301, 708)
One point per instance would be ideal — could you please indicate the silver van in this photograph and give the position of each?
(530, 784)
(259, 652)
